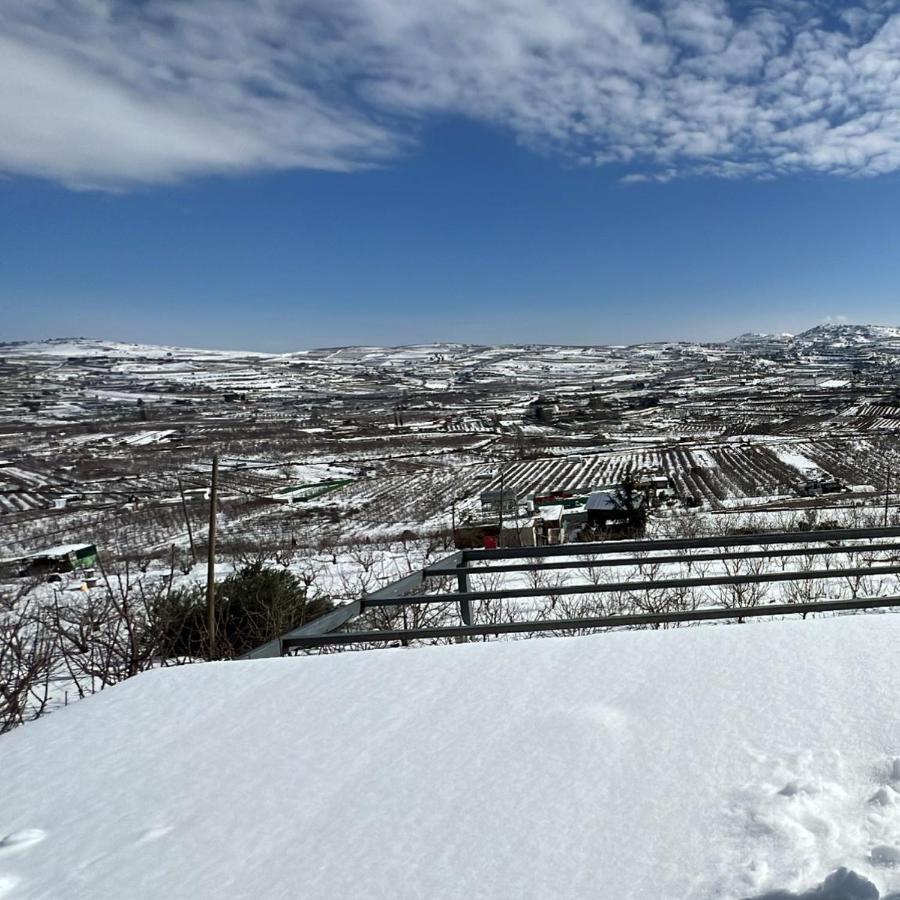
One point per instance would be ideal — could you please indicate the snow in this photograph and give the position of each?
(708, 762)
(551, 513)
(797, 461)
(82, 347)
(143, 438)
(704, 459)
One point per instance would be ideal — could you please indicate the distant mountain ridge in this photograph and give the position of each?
(845, 333)
(828, 334)
(833, 334)
(760, 337)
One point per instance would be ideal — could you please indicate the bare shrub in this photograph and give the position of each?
(27, 655)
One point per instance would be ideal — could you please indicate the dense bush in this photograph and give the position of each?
(253, 605)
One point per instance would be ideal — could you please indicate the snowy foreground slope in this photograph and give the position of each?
(712, 762)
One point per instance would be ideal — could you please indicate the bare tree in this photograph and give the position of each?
(27, 656)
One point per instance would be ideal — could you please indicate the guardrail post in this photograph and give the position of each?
(465, 606)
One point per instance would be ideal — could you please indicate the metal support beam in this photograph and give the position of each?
(323, 625)
(637, 619)
(462, 584)
(394, 590)
(439, 570)
(650, 585)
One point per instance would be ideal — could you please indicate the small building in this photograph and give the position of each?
(300, 492)
(566, 499)
(486, 535)
(65, 558)
(656, 486)
(815, 487)
(495, 504)
(543, 409)
(614, 510)
(573, 522)
(548, 524)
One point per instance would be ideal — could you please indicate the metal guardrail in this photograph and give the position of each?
(664, 559)
(410, 590)
(704, 614)
(648, 584)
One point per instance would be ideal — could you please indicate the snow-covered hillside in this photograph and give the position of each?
(829, 335)
(86, 348)
(845, 334)
(712, 762)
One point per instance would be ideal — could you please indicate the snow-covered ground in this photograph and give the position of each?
(711, 762)
(798, 461)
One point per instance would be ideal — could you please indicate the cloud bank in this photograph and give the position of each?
(115, 93)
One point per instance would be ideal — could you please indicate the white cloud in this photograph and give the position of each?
(95, 96)
(109, 93)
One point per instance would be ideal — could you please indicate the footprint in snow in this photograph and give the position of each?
(884, 796)
(793, 788)
(21, 840)
(804, 803)
(153, 834)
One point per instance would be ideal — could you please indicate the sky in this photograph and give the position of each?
(281, 174)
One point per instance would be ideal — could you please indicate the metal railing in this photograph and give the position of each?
(327, 630)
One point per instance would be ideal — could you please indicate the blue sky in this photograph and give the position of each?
(273, 176)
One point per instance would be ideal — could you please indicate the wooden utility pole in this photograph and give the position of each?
(187, 521)
(211, 561)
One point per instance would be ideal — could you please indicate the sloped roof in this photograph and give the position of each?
(606, 501)
(551, 513)
(612, 501)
